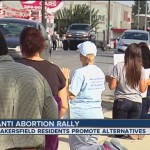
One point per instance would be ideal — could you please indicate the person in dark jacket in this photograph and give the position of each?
(24, 94)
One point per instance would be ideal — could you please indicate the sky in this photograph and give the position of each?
(129, 3)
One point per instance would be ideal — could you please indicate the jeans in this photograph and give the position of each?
(145, 108)
(126, 109)
(54, 45)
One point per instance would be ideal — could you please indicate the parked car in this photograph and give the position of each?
(11, 29)
(78, 33)
(131, 36)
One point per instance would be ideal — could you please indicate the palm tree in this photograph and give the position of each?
(77, 14)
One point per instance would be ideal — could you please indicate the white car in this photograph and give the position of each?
(131, 36)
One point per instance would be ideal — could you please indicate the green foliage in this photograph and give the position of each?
(77, 14)
(142, 6)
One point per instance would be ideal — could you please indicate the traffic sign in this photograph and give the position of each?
(109, 25)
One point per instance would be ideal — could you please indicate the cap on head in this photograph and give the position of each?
(87, 47)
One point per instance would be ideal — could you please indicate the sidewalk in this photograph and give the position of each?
(130, 144)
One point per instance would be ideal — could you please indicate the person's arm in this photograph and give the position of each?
(112, 78)
(63, 94)
(112, 82)
(71, 96)
(57, 38)
(148, 81)
(50, 108)
(143, 85)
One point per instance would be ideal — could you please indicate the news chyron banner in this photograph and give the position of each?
(67, 127)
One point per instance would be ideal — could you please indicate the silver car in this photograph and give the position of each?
(11, 29)
(131, 36)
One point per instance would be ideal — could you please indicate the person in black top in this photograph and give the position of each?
(32, 43)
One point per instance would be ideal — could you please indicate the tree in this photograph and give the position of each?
(142, 7)
(77, 14)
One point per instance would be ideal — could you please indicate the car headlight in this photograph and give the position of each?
(121, 43)
(68, 35)
(86, 34)
(17, 48)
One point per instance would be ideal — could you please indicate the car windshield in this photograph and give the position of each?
(135, 36)
(79, 27)
(12, 29)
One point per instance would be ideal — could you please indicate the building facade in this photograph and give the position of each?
(120, 17)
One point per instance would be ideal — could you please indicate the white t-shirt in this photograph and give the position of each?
(147, 75)
(123, 90)
(87, 85)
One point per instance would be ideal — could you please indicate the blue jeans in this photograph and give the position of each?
(145, 108)
(126, 109)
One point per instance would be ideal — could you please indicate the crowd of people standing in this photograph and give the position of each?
(34, 88)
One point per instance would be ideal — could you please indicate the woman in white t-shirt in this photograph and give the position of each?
(128, 80)
(85, 91)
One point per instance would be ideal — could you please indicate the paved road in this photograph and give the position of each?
(70, 59)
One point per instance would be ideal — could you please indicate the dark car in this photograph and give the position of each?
(11, 29)
(78, 33)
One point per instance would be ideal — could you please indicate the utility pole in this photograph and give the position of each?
(138, 22)
(90, 13)
(108, 24)
(145, 26)
(43, 13)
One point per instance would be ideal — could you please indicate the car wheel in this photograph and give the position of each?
(116, 51)
(74, 48)
(103, 48)
(65, 47)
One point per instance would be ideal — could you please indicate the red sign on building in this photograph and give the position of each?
(125, 16)
(50, 6)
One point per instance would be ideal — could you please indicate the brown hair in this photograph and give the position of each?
(31, 41)
(145, 56)
(3, 45)
(133, 64)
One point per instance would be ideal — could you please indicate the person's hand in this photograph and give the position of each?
(66, 72)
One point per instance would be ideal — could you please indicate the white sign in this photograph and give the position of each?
(118, 58)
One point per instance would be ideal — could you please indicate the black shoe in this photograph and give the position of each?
(118, 136)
